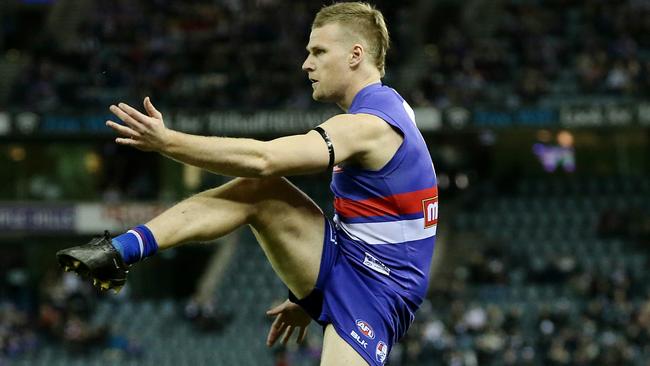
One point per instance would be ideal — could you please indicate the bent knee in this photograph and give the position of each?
(261, 186)
(247, 189)
(275, 197)
(266, 199)
(262, 196)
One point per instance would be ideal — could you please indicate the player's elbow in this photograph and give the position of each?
(275, 161)
(264, 168)
(265, 164)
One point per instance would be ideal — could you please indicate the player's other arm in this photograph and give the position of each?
(353, 136)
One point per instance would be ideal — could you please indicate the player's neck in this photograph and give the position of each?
(355, 88)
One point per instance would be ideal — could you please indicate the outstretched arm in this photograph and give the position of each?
(353, 137)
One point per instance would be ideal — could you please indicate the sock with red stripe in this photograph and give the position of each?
(136, 244)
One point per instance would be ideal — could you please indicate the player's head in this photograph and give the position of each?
(347, 41)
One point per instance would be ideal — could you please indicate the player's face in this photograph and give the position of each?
(327, 63)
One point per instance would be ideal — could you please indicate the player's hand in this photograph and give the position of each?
(288, 317)
(144, 132)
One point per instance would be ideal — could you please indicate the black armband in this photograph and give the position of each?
(330, 146)
(312, 304)
(293, 298)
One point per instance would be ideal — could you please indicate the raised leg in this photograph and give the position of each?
(288, 225)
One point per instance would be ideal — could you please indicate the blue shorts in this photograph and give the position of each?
(367, 314)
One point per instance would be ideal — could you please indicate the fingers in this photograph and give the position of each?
(272, 337)
(276, 310)
(301, 335)
(129, 135)
(134, 113)
(274, 332)
(127, 118)
(128, 142)
(153, 112)
(123, 130)
(288, 334)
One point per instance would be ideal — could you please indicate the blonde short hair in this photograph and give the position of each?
(363, 20)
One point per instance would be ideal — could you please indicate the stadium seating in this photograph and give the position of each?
(546, 254)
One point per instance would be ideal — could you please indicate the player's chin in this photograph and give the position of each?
(317, 97)
(320, 97)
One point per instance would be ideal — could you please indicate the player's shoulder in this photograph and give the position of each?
(356, 121)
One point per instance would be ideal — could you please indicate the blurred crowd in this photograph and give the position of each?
(511, 304)
(60, 314)
(247, 54)
(17, 335)
(66, 313)
(517, 52)
(601, 319)
(633, 223)
(199, 54)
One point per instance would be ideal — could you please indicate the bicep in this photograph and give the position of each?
(360, 138)
(308, 153)
(297, 154)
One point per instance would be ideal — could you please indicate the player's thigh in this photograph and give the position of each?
(338, 352)
(290, 229)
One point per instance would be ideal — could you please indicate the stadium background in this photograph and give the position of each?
(537, 118)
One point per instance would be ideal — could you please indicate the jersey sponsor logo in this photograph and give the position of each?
(359, 340)
(365, 329)
(430, 210)
(376, 265)
(381, 352)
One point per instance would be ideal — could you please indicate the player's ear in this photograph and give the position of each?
(356, 56)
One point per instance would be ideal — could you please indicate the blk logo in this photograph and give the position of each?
(430, 209)
(359, 339)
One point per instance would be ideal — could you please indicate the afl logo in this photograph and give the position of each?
(381, 352)
(430, 210)
(365, 329)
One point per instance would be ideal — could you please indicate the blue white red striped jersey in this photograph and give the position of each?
(390, 215)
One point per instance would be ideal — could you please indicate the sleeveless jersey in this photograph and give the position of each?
(390, 216)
